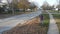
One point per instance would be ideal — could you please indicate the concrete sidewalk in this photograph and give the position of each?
(53, 29)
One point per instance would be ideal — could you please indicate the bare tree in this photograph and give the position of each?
(32, 6)
(45, 5)
(58, 1)
(58, 6)
(13, 5)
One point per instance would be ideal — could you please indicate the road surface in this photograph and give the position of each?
(8, 23)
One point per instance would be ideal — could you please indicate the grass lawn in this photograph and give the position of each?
(33, 27)
(53, 11)
(57, 18)
(46, 19)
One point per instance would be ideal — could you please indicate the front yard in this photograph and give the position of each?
(57, 18)
(33, 27)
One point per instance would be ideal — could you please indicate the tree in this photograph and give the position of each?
(58, 1)
(22, 4)
(25, 4)
(13, 5)
(32, 6)
(46, 6)
(58, 6)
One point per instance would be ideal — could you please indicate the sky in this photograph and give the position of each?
(40, 2)
(5, 1)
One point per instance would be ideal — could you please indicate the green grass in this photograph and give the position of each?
(56, 16)
(54, 11)
(46, 20)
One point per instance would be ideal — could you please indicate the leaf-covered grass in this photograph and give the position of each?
(33, 27)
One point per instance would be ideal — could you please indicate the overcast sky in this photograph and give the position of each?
(40, 2)
(5, 1)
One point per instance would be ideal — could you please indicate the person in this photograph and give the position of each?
(41, 18)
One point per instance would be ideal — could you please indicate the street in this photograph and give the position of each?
(8, 23)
